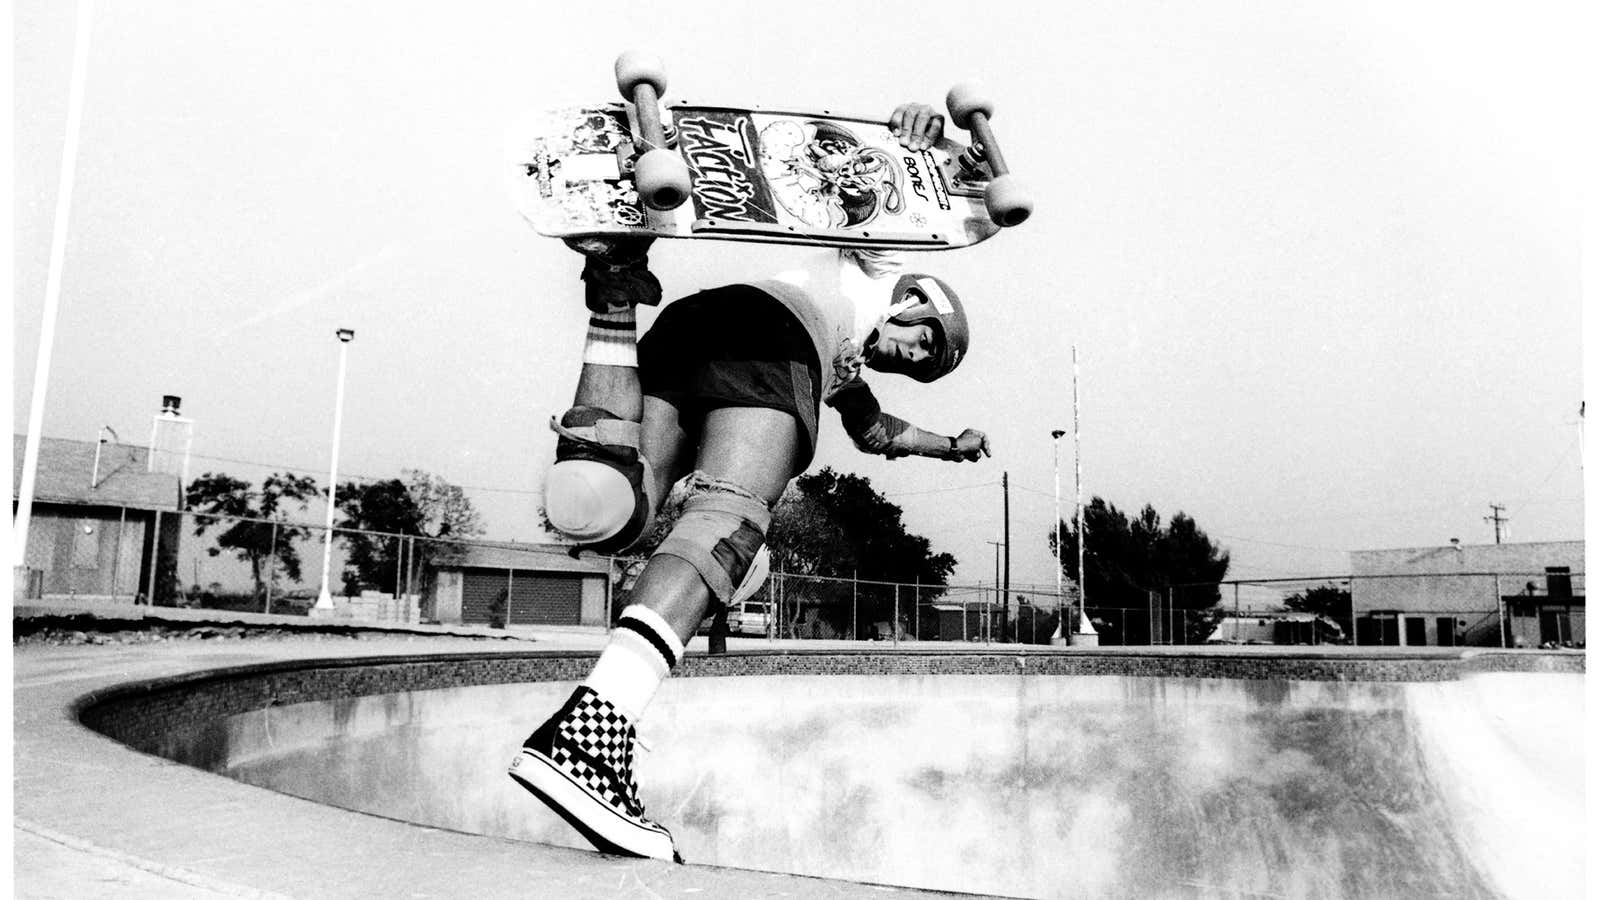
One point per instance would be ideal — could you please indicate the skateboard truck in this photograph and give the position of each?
(1007, 202)
(659, 175)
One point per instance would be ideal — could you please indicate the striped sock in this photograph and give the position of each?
(613, 339)
(641, 653)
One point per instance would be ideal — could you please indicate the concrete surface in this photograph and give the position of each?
(1476, 795)
(93, 818)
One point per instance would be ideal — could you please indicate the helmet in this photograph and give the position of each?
(923, 298)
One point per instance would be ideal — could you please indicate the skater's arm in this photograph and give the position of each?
(875, 431)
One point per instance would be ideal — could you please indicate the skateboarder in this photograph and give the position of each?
(723, 393)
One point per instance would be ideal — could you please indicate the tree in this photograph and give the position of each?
(374, 513)
(835, 524)
(1328, 600)
(227, 502)
(379, 514)
(444, 507)
(1129, 560)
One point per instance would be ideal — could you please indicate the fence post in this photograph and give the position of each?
(855, 630)
(272, 566)
(116, 553)
(894, 620)
(611, 576)
(1500, 609)
(916, 610)
(155, 557)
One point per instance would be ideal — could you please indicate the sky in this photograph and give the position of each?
(1321, 260)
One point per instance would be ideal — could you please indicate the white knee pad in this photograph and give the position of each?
(598, 491)
(589, 501)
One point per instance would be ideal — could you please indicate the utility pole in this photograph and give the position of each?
(1497, 519)
(1005, 600)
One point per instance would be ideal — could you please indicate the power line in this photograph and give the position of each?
(947, 490)
(354, 477)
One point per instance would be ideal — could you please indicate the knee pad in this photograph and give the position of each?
(597, 492)
(720, 533)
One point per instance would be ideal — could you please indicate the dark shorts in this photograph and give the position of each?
(733, 346)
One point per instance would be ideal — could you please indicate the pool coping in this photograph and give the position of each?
(120, 807)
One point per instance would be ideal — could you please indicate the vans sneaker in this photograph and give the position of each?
(580, 763)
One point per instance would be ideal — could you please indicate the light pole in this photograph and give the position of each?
(1083, 631)
(23, 516)
(325, 597)
(1060, 637)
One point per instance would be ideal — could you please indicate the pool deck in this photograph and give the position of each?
(95, 818)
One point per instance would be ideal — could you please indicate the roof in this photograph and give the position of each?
(66, 468)
(1507, 558)
(527, 557)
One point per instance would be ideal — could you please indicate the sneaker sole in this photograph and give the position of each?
(608, 830)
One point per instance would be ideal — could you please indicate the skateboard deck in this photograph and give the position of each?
(764, 175)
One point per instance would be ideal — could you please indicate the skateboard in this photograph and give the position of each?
(773, 175)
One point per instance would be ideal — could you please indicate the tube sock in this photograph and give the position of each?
(641, 653)
(613, 339)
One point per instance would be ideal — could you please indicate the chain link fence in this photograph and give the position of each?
(204, 561)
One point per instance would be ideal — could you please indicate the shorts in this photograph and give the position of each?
(733, 346)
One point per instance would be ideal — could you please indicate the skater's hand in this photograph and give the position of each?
(917, 125)
(611, 250)
(970, 446)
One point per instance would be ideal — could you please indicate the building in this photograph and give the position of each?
(103, 526)
(520, 584)
(974, 621)
(1276, 627)
(1512, 595)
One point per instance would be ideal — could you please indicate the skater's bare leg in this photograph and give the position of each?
(601, 490)
(612, 388)
(753, 449)
(668, 443)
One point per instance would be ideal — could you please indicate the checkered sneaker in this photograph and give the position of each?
(580, 763)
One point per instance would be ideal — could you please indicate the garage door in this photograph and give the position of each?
(480, 593)
(537, 598)
(540, 599)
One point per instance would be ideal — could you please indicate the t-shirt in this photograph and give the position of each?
(841, 297)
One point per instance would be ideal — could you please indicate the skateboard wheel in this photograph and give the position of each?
(964, 100)
(661, 179)
(1007, 201)
(635, 67)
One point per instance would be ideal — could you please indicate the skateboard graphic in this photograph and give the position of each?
(756, 174)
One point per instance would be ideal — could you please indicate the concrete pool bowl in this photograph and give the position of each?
(994, 772)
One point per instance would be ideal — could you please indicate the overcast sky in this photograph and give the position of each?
(1321, 260)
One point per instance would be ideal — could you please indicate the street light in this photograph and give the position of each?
(325, 597)
(1060, 637)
